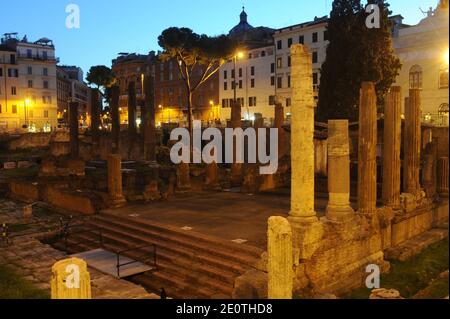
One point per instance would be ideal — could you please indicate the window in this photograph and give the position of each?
(315, 57)
(161, 77)
(272, 80)
(263, 53)
(279, 62)
(233, 75)
(252, 70)
(225, 86)
(29, 53)
(45, 84)
(289, 81)
(240, 84)
(45, 113)
(252, 101)
(301, 39)
(13, 90)
(30, 70)
(224, 103)
(14, 109)
(315, 78)
(279, 45)
(240, 72)
(45, 72)
(252, 83)
(13, 73)
(233, 85)
(288, 102)
(225, 74)
(325, 35)
(415, 77)
(289, 42)
(272, 68)
(279, 82)
(315, 37)
(30, 84)
(12, 58)
(443, 78)
(289, 61)
(1, 72)
(44, 55)
(170, 76)
(272, 100)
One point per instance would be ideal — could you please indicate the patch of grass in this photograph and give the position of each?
(13, 286)
(438, 289)
(414, 275)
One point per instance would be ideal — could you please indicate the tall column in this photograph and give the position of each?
(149, 120)
(73, 110)
(307, 229)
(115, 180)
(391, 150)
(338, 208)
(115, 120)
(367, 164)
(442, 177)
(236, 168)
(412, 143)
(95, 120)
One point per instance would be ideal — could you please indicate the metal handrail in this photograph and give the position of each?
(119, 253)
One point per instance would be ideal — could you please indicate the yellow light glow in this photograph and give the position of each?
(445, 57)
(211, 103)
(27, 101)
(240, 55)
(160, 106)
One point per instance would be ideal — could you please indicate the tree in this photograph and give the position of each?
(355, 54)
(102, 77)
(192, 51)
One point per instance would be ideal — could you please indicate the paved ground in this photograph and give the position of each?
(33, 260)
(227, 215)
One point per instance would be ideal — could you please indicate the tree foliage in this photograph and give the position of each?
(193, 52)
(355, 54)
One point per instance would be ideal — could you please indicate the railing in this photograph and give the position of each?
(137, 259)
(436, 119)
(38, 57)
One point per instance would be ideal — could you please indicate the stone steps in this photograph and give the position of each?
(415, 245)
(190, 265)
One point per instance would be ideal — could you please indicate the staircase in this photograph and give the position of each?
(189, 265)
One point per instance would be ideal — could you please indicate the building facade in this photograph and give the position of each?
(71, 87)
(423, 51)
(28, 98)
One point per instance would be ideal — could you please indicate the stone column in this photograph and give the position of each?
(412, 143)
(442, 177)
(115, 180)
(115, 118)
(183, 178)
(73, 111)
(338, 208)
(279, 262)
(367, 147)
(307, 229)
(149, 120)
(391, 150)
(278, 123)
(95, 121)
(236, 168)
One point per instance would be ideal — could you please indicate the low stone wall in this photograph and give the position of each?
(80, 202)
(412, 224)
(24, 190)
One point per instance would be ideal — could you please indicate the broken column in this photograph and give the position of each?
(183, 178)
(236, 168)
(115, 180)
(412, 143)
(73, 118)
(70, 280)
(367, 164)
(279, 262)
(442, 176)
(391, 149)
(338, 208)
(115, 119)
(307, 230)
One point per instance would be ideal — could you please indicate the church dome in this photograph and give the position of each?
(243, 25)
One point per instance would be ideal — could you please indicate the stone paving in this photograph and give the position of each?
(33, 260)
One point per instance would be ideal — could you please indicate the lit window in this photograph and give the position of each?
(415, 77)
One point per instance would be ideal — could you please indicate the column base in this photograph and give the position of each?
(151, 192)
(339, 214)
(307, 233)
(117, 202)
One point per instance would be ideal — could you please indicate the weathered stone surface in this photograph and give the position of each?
(412, 143)
(70, 280)
(183, 178)
(280, 263)
(338, 208)
(251, 285)
(367, 165)
(9, 165)
(391, 148)
(442, 176)
(385, 294)
(115, 180)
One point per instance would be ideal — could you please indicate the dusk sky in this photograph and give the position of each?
(112, 26)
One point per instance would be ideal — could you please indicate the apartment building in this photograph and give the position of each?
(28, 98)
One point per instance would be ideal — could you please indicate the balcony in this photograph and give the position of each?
(38, 57)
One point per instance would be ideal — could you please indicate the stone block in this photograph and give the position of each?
(9, 165)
